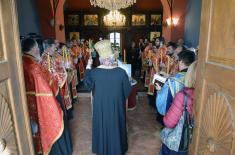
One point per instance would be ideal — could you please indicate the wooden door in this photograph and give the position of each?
(15, 132)
(214, 108)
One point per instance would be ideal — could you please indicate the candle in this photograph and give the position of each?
(157, 66)
(66, 55)
(124, 54)
(77, 51)
(63, 50)
(69, 55)
(161, 55)
(168, 64)
(49, 62)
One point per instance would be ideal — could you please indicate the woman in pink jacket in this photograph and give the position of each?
(172, 117)
(174, 113)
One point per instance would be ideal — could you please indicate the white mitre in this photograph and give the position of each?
(104, 49)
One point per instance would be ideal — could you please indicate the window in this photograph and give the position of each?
(115, 38)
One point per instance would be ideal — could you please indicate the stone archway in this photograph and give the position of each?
(169, 33)
(57, 31)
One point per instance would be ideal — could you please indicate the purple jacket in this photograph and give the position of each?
(176, 110)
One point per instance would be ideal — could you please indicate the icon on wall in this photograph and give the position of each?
(154, 35)
(74, 35)
(138, 19)
(73, 20)
(91, 20)
(156, 19)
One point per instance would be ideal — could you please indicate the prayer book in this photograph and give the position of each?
(126, 67)
(160, 79)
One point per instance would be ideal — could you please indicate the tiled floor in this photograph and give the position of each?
(143, 130)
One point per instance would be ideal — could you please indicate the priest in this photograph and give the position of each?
(58, 72)
(48, 136)
(111, 88)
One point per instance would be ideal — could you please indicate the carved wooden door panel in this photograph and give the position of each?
(15, 134)
(215, 92)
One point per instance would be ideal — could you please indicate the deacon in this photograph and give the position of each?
(50, 137)
(58, 73)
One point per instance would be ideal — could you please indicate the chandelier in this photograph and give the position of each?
(112, 4)
(114, 18)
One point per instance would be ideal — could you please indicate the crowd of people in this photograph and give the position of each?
(53, 71)
(168, 72)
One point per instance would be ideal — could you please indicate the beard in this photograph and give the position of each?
(37, 56)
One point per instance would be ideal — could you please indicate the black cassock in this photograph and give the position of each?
(111, 87)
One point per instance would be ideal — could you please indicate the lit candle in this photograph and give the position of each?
(168, 65)
(124, 53)
(69, 55)
(66, 54)
(49, 62)
(157, 66)
(63, 50)
(77, 50)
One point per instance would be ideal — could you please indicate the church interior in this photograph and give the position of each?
(79, 19)
(170, 54)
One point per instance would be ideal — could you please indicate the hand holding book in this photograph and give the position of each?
(159, 80)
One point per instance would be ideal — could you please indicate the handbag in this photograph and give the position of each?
(187, 132)
(177, 139)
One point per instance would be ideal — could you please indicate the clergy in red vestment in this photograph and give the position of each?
(58, 72)
(146, 64)
(48, 117)
(68, 64)
(76, 53)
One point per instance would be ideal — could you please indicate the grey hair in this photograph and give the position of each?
(109, 60)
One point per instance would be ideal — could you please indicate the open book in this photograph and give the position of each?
(159, 79)
(126, 67)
